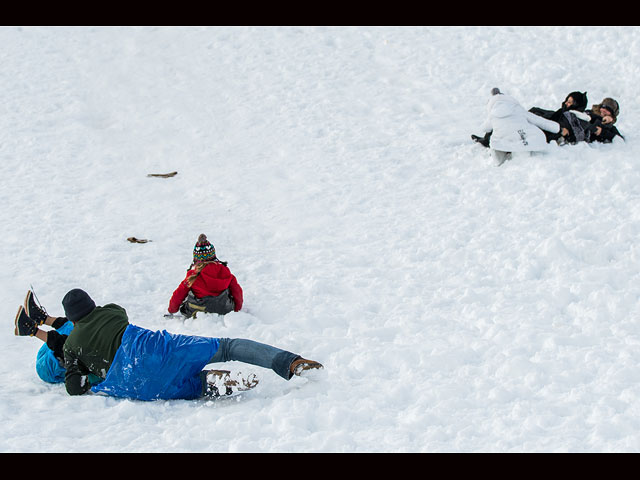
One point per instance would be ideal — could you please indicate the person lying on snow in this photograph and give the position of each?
(603, 116)
(50, 356)
(574, 104)
(104, 353)
(580, 125)
(576, 123)
(574, 101)
(513, 129)
(209, 285)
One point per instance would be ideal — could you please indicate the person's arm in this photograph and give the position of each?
(236, 292)
(607, 133)
(178, 296)
(543, 123)
(76, 377)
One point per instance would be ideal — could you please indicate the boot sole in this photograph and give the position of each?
(15, 322)
(16, 331)
(231, 387)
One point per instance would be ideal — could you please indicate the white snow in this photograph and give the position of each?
(456, 306)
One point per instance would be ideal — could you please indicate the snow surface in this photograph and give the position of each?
(457, 306)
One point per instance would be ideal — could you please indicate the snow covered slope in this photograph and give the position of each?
(456, 306)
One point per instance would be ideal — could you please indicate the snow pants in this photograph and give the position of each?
(221, 304)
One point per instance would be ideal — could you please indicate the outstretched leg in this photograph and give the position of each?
(26, 326)
(282, 362)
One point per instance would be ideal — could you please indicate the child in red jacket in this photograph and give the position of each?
(209, 286)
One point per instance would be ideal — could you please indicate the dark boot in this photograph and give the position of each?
(24, 325)
(484, 141)
(301, 365)
(33, 310)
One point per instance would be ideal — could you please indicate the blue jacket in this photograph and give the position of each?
(48, 367)
(153, 365)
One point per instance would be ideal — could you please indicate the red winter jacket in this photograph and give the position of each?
(213, 280)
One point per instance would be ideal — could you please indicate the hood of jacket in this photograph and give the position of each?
(213, 279)
(501, 106)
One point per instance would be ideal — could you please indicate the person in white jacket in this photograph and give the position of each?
(513, 128)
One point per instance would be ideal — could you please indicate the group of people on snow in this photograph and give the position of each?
(510, 128)
(95, 348)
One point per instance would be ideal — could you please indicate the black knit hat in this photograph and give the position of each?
(579, 100)
(77, 304)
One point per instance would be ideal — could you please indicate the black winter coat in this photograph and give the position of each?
(608, 132)
(582, 126)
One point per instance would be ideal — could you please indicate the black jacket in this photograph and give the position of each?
(556, 116)
(608, 133)
(582, 126)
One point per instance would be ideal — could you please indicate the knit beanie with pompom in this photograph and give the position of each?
(203, 251)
